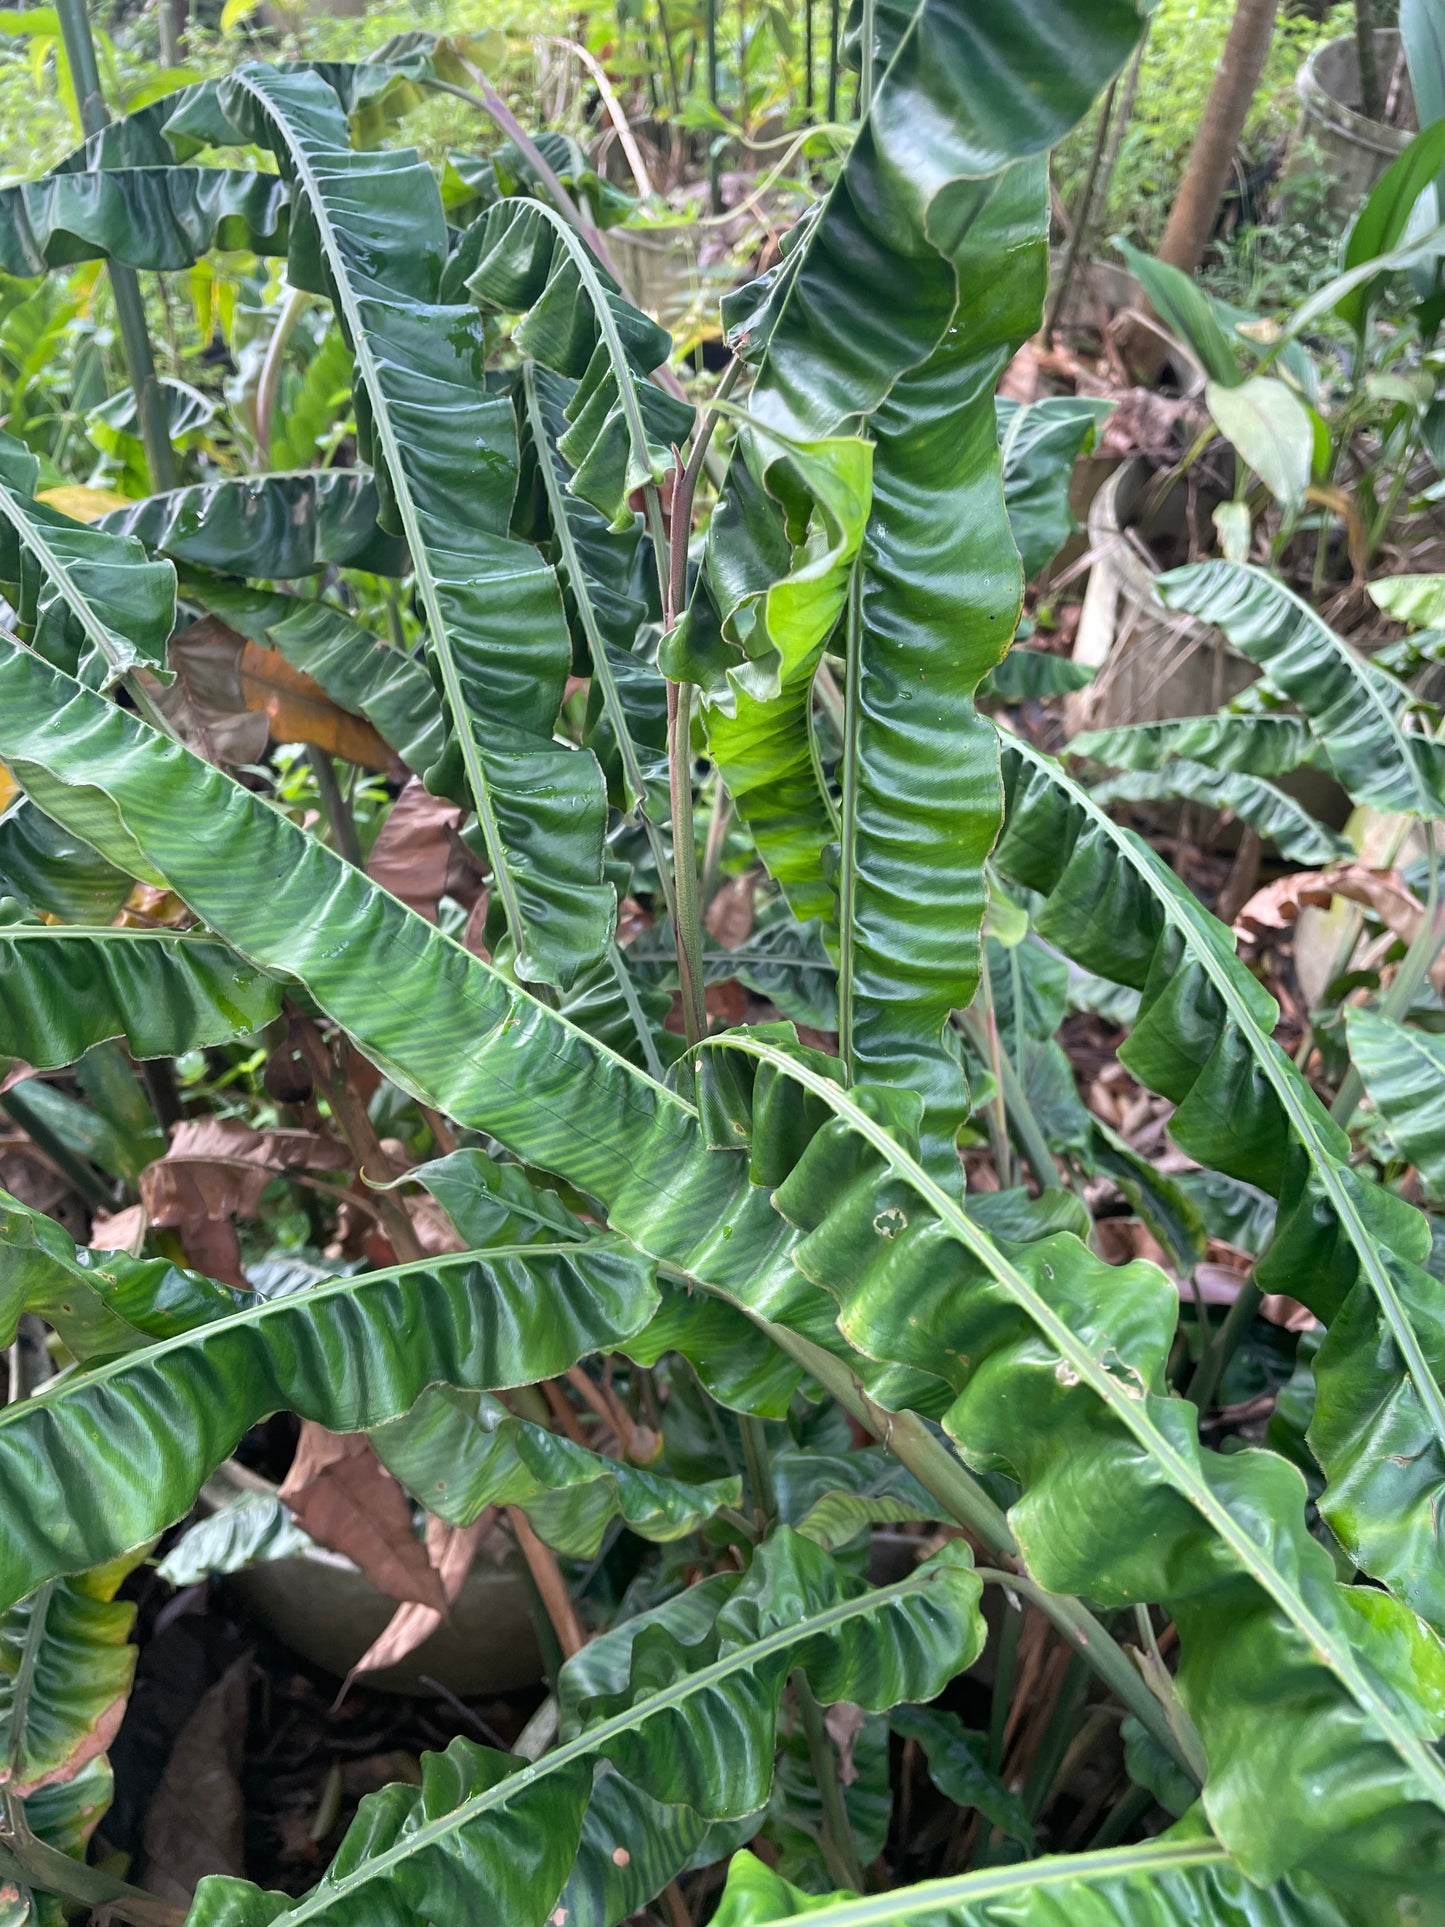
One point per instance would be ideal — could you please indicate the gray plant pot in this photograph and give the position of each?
(1332, 132)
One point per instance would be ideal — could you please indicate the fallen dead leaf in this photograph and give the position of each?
(419, 855)
(343, 1496)
(196, 1822)
(1278, 904)
(451, 1550)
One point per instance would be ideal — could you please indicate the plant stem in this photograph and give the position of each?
(1222, 1347)
(1083, 219)
(848, 775)
(865, 77)
(760, 1471)
(1015, 1099)
(338, 814)
(713, 161)
(635, 1012)
(984, 1030)
(354, 1122)
(1003, 1683)
(688, 931)
(551, 1586)
(1129, 1812)
(86, 1179)
(834, 10)
(135, 341)
(1055, 1742)
(717, 836)
(30, 1862)
(835, 1836)
(269, 385)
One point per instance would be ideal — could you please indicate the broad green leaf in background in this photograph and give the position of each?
(163, 218)
(1383, 222)
(1040, 441)
(1270, 428)
(1404, 1074)
(1263, 746)
(277, 526)
(459, 1451)
(1288, 825)
(1188, 312)
(1354, 708)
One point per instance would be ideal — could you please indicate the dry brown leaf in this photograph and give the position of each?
(9, 788)
(419, 856)
(205, 704)
(231, 696)
(120, 1231)
(343, 1496)
(1384, 892)
(729, 916)
(300, 711)
(844, 1722)
(451, 1550)
(16, 1072)
(216, 1171)
(196, 1822)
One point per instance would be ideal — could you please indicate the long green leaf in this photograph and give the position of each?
(1263, 746)
(89, 600)
(63, 990)
(162, 218)
(112, 1454)
(1351, 1251)
(692, 1724)
(1354, 708)
(374, 235)
(1039, 443)
(943, 202)
(522, 258)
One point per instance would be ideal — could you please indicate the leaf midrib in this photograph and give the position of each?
(249, 1317)
(929, 1898)
(1130, 1410)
